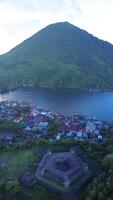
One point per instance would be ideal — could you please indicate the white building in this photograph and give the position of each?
(90, 127)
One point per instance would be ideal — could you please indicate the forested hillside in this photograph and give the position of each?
(60, 55)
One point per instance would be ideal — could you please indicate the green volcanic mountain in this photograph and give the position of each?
(60, 55)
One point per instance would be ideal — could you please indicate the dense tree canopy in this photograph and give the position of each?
(61, 55)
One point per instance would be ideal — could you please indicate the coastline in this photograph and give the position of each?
(92, 90)
(66, 101)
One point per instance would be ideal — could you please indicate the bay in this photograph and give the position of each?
(68, 102)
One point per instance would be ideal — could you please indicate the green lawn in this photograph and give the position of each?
(15, 162)
(12, 164)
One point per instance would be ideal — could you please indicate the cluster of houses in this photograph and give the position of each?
(36, 122)
(82, 128)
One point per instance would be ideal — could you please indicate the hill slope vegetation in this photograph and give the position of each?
(60, 55)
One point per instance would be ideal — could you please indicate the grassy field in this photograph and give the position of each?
(15, 162)
(12, 164)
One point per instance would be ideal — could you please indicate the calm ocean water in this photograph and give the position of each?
(68, 102)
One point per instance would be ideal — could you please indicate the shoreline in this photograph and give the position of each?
(92, 90)
(31, 95)
(40, 124)
(35, 106)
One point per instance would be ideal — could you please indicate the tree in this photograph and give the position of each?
(54, 125)
(108, 161)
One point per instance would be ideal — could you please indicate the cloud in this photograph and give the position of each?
(22, 18)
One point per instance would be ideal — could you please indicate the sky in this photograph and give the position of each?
(20, 19)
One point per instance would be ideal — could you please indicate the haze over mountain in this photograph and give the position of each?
(60, 55)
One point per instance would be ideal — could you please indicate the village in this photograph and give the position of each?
(30, 123)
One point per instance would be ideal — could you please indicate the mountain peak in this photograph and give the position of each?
(65, 23)
(60, 55)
